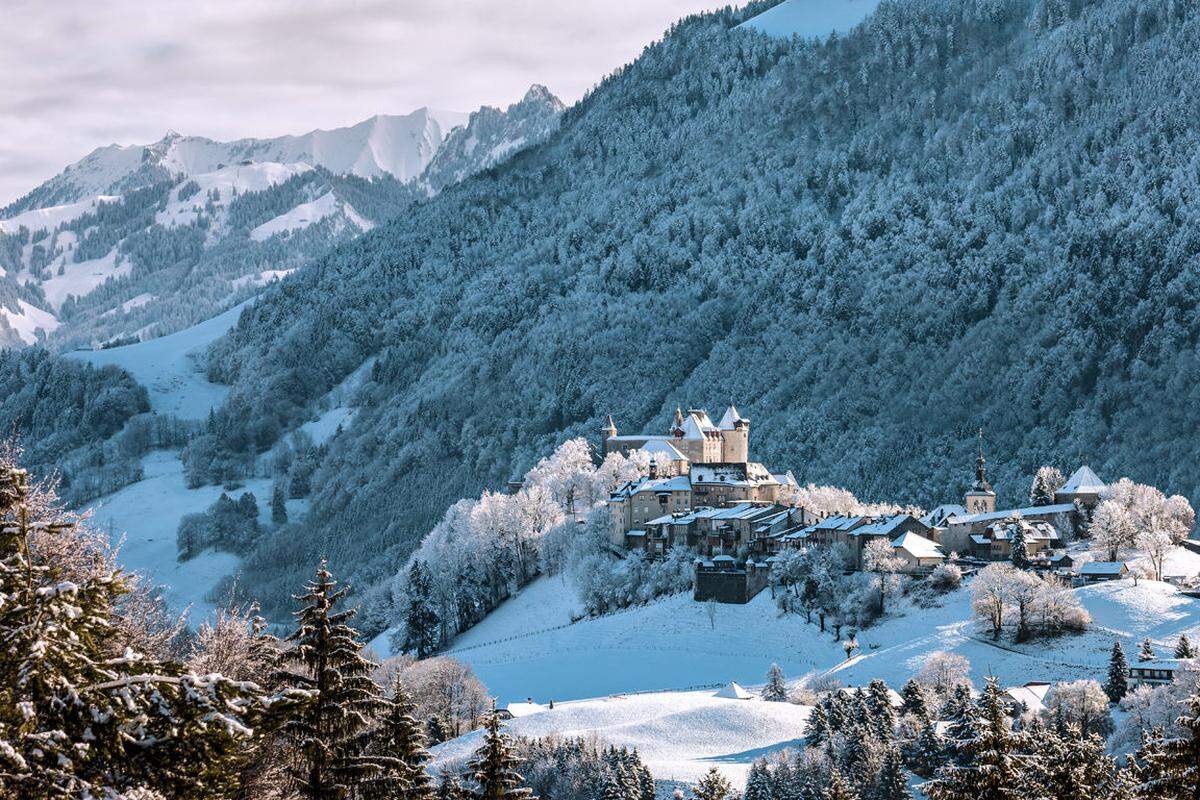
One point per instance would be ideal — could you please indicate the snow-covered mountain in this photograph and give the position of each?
(140, 240)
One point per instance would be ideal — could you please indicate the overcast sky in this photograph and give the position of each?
(79, 74)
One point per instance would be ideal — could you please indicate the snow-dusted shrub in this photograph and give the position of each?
(945, 577)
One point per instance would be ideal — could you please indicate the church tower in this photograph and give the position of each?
(608, 433)
(980, 499)
(735, 437)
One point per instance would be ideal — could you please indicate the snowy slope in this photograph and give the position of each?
(810, 19)
(27, 320)
(166, 367)
(679, 735)
(528, 648)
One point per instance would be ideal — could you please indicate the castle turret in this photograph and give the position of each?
(735, 437)
(980, 499)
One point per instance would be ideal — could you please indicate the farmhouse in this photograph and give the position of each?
(1158, 671)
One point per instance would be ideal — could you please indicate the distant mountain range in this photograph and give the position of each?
(136, 241)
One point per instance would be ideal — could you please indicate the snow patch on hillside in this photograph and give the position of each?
(80, 278)
(298, 218)
(811, 19)
(46, 219)
(679, 735)
(168, 369)
(28, 320)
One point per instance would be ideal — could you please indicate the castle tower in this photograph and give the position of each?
(735, 437)
(980, 499)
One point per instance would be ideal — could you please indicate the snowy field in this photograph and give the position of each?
(167, 366)
(679, 735)
(812, 19)
(528, 648)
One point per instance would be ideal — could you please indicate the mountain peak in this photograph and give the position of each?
(540, 94)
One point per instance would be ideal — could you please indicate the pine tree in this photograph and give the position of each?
(421, 622)
(645, 782)
(929, 751)
(987, 765)
(776, 689)
(883, 716)
(1147, 651)
(837, 788)
(892, 784)
(494, 766)
(330, 735)
(398, 746)
(1020, 550)
(914, 700)
(1071, 766)
(1117, 684)
(279, 513)
(758, 782)
(962, 715)
(450, 788)
(818, 726)
(1184, 648)
(713, 786)
(81, 713)
(1176, 775)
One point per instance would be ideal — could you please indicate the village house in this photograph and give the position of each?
(995, 543)
(919, 554)
(1101, 571)
(1159, 671)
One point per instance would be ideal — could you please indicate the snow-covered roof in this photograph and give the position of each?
(730, 418)
(918, 546)
(1036, 531)
(1032, 694)
(1103, 568)
(736, 474)
(1165, 664)
(734, 691)
(785, 478)
(663, 449)
(881, 526)
(524, 709)
(1030, 511)
(1084, 481)
(641, 437)
(679, 483)
(635, 533)
(942, 513)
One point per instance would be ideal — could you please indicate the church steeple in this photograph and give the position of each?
(980, 499)
(610, 428)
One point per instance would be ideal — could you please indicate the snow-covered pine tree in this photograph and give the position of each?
(450, 788)
(1175, 775)
(1184, 648)
(929, 751)
(818, 725)
(892, 783)
(494, 765)
(776, 689)
(1020, 550)
(758, 782)
(279, 513)
(713, 786)
(329, 735)
(1117, 684)
(82, 714)
(987, 765)
(914, 700)
(1046, 482)
(421, 622)
(1146, 653)
(398, 747)
(838, 788)
(645, 781)
(1070, 766)
(883, 716)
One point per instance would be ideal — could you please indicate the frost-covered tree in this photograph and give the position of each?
(1146, 651)
(279, 514)
(712, 786)
(880, 557)
(397, 745)
(1117, 684)
(988, 764)
(758, 782)
(892, 783)
(330, 735)
(1184, 647)
(1020, 550)
(990, 596)
(1081, 703)
(421, 621)
(1046, 482)
(82, 715)
(775, 690)
(914, 699)
(494, 766)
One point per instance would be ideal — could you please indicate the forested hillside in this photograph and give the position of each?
(962, 214)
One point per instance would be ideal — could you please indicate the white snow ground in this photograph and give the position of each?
(811, 19)
(166, 366)
(29, 320)
(679, 735)
(528, 648)
(146, 515)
